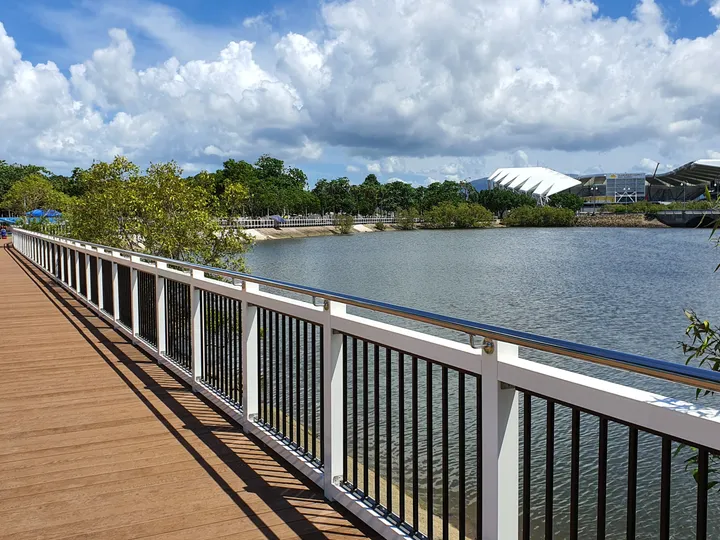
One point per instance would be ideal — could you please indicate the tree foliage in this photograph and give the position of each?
(157, 212)
(459, 215)
(406, 219)
(344, 223)
(499, 200)
(702, 347)
(567, 200)
(31, 192)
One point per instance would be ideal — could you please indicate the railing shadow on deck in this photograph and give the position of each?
(223, 440)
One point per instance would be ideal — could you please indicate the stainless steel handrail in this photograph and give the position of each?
(661, 369)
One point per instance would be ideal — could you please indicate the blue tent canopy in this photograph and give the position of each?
(38, 213)
(277, 219)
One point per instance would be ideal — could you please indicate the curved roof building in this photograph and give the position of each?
(539, 182)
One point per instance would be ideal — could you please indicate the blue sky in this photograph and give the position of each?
(418, 91)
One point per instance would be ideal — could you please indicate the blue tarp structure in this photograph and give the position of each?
(38, 213)
(277, 219)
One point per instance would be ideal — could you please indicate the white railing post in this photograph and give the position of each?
(62, 264)
(116, 290)
(196, 331)
(250, 353)
(56, 260)
(88, 277)
(332, 429)
(134, 298)
(77, 271)
(99, 269)
(500, 452)
(160, 310)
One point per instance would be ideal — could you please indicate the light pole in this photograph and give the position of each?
(683, 186)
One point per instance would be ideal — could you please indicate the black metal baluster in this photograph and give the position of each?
(289, 413)
(401, 432)
(574, 474)
(415, 431)
(478, 456)
(461, 455)
(298, 375)
(322, 394)
(445, 457)
(549, 469)
(346, 431)
(366, 442)
(376, 408)
(285, 359)
(388, 430)
(665, 489)
(305, 390)
(430, 465)
(356, 431)
(602, 478)
(266, 364)
(527, 449)
(314, 393)
(277, 372)
(702, 495)
(267, 324)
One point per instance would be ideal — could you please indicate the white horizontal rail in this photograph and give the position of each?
(263, 223)
(498, 363)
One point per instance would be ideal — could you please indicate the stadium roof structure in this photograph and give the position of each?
(537, 181)
(695, 173)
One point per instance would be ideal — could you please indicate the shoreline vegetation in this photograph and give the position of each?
(161, 211)
(597, 220)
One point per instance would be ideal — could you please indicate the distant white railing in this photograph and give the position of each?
(385, 419)
(266, 223)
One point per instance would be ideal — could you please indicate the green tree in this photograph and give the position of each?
(158, 212)
(568, 200)
(344, 223)
(702, 347)
(397, 195)
(406, 219)
(11, 173)
(33, 191)
(499, 200)
(459, 215)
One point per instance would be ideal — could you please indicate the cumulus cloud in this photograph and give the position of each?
(715, 9)
(519, 159)
(352, 168)
(420, 87)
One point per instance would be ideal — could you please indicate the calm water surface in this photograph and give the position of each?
(622, 289)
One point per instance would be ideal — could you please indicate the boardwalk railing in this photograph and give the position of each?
(266, 223)
(418, 435)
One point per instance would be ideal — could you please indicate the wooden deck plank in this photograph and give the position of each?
(98, 441)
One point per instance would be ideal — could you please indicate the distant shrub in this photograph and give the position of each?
(641, 207)
(691, 205)
(344, 223)
(380, 226)
(540, 216)
(460, 216)
(567, 200)
(406, 219)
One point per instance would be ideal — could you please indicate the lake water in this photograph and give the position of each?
(622, 289)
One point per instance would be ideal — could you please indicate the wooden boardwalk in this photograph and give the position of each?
(98, 441)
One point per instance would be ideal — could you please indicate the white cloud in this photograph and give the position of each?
(352, 168)
(519, 159)
(713, 155)
(424, 88)
(715, 9)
